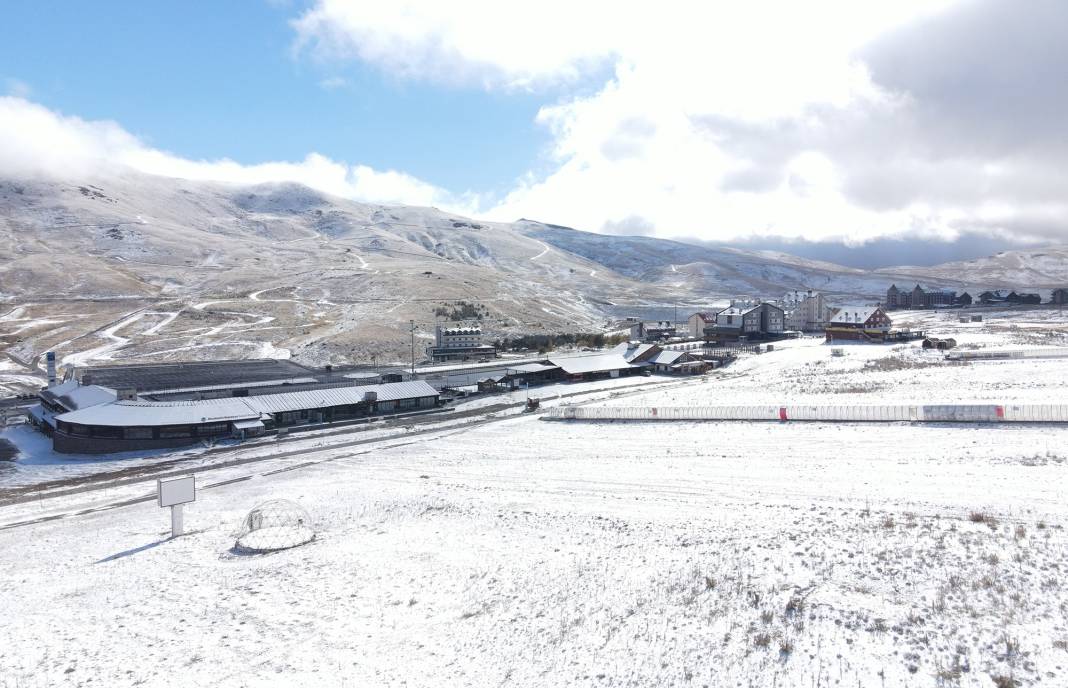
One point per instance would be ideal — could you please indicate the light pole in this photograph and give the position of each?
(412, 322)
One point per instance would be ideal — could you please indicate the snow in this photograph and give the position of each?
(519, 552)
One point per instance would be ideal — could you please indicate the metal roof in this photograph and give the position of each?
(342, 396)
(181, 374)
(577, 365)
(233, 385)
(137, 413)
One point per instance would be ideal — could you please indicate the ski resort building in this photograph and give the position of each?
(697, 323)
(761, 321)
(859, 323)
(655, 331)
(806, 311)
(123, 408)
(919, 297)
(459, 343)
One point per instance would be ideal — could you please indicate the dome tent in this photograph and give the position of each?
(274, 525)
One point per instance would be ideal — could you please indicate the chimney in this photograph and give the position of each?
(50, 361)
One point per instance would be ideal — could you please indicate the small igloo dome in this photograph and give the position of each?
(274, 525)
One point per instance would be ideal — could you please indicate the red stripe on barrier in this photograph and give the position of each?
(1000, 411)
(782, 413)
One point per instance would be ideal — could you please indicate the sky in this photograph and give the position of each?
(857, 126)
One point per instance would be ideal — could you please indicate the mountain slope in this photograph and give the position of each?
(134, 266)
(714, 271)
(1021, 269)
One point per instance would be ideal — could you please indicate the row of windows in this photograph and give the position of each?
(145, 433)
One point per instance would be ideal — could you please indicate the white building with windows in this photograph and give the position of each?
(806, 311)
(459, 342)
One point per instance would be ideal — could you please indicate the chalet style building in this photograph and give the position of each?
(859, 323)
(919, 297)
(761, 321)
(1008, 297)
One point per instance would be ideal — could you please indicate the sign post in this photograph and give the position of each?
(175, 492)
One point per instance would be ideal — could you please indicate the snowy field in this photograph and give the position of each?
(522, 552)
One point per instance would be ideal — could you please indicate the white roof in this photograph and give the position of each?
(577, 365)
(75, 396)
(667, 357)
(248, 424)
(630, 350)
(531, 368)
(340, 396)
(138, 412)
(362, 375)
(853, 314)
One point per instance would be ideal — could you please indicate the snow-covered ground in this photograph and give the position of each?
(521, 552)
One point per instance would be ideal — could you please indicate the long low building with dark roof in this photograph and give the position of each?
(91, 419)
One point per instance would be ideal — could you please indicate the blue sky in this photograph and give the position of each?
(758, 123)
(221, 79)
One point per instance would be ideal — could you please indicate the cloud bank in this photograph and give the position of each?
(825, 120)
(37, 142)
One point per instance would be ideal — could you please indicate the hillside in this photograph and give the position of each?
(138, 267)
(1021, 269)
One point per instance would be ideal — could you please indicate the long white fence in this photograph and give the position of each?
(929, 413)
(1005, 355)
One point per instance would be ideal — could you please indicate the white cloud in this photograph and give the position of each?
(35, 141)
(727, 120)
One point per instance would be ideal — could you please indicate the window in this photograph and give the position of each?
(79, 430)
(175, 431)
(212, 429)
(137, 433)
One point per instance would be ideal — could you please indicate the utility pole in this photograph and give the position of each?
(412, 322)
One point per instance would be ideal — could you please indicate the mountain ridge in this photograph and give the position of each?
(232, 268)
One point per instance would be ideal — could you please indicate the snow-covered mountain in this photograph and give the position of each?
(1031, 269)
(140, 266)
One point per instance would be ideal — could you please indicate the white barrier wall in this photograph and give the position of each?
(1005, 354)
(937, 413)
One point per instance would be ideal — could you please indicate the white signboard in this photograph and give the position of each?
(174, 491)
